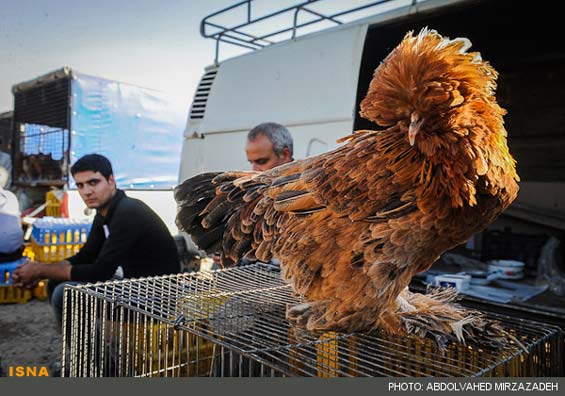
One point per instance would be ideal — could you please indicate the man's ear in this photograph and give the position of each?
(285, 155)
(111, 180)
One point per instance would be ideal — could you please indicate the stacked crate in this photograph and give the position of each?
(8, 293)
(55, 239)
(52, 239)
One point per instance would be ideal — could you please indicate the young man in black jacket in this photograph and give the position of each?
(125, 233)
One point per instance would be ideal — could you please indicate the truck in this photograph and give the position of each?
(62, 115)
(313, 84)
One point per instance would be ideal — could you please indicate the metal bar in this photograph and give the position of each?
(363, 7)
(238, 41)
(223, 34)
(64, 360)
(205, 22)
(331, 18)
(294, 22)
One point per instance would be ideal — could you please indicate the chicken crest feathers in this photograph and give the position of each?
(428, 73)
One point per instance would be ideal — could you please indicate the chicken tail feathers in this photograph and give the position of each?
(196, 197)
(217, 210)
(192, 196)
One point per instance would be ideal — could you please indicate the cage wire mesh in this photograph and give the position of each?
(6, 131)
(43, 153)
(41, 122)
(232, 322)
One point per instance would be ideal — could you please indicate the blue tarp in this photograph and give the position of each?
(140, 130)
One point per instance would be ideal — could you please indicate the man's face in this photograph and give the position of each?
(94, 189)
(261, 155)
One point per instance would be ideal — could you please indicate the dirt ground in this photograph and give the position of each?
(28, 336)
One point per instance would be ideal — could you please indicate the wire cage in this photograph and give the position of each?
(6, 131)
(231, 323)
(43, 154)
(42, 130)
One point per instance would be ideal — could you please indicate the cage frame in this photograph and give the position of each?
(182, 337)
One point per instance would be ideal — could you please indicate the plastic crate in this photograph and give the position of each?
(55, 239)
(11, 294)
(8, 293)
(6, 271)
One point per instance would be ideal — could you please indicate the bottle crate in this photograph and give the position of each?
(55, 239)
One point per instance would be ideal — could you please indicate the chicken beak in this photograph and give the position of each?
(416, 122)
(412, 132)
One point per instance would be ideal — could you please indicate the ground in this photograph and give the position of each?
(28, 336)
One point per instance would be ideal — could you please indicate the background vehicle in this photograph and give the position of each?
(63, 115)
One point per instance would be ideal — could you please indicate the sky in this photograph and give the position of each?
(150, 43)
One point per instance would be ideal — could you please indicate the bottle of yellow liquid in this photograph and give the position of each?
(68, 243)
(46, 243)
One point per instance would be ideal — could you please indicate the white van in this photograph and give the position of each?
(313, 84)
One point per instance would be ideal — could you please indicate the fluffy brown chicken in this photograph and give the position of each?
(352, 226)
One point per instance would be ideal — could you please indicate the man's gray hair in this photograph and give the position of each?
(276, 133)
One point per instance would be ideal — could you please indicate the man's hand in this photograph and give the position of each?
(27, 275)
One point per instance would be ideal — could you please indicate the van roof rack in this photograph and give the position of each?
(242, 34)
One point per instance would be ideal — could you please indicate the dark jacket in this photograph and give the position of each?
(138, 241)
